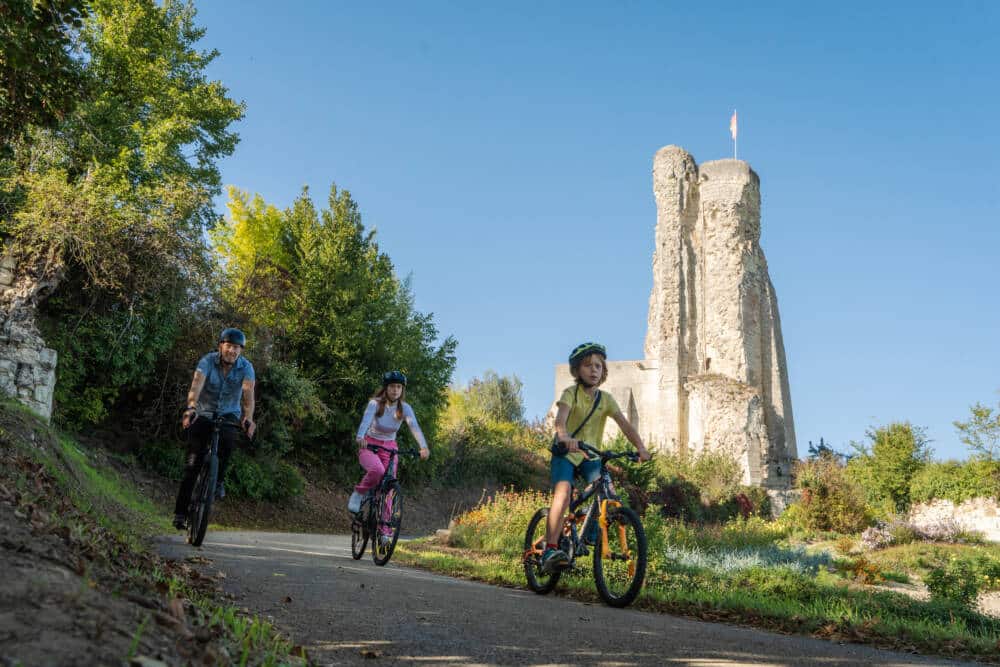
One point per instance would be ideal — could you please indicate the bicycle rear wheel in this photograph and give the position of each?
(620, 571)
(388, 519)
(204, 493)
(534, 546)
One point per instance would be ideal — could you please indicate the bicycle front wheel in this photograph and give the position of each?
(359, 532)
(620, 569)
(534, 546)
(204, 493)
(389, 519)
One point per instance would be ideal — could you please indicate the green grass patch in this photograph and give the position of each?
(744, 572)
(919, 558)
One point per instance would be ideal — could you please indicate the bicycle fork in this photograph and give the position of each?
(622, 538)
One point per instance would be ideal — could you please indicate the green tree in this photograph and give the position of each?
(316, 290)
(40, 79)
(497, 397)
(981, 433)
(110, 207)
(886, 468)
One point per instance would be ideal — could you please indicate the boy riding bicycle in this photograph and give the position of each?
(582, 412)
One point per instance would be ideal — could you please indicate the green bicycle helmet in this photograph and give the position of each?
(583, 349)
(391, 377)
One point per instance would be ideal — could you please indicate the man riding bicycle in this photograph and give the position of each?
(223, 385)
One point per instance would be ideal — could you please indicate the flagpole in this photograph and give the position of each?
(734, 132)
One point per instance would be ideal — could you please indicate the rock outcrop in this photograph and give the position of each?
(27, 365)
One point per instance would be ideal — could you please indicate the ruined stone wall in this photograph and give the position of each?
(714, 376)
(27, 366)
(978, 514)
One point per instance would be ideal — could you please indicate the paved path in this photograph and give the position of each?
(348, 612)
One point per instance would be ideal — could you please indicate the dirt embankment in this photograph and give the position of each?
(74, 592)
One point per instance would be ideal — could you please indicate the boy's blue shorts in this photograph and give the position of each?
(563, 469)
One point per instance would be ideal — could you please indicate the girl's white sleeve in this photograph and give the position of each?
(366, 420)
(411, 421)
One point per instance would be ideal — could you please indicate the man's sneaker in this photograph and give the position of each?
(553, 559)
(354, 503)
(220, 491)
(180, 521)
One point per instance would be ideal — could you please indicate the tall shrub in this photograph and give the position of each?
(830, 499)
(885, 467)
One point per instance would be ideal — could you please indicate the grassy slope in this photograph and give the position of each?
(75, 510)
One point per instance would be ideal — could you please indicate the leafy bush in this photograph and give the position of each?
(476, 451)
(955, 481)
(717, 475)
(163, 458)
(262, 478)
(885, 468)
(705, 487)
(863, 570)
(885, 534)
(498, 525)
(845, 544)
(954, 583)
(830, 500)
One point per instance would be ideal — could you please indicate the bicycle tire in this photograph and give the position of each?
(381, 553)
(205, 494)
(619, 579)
(538, 581)
(359, 530)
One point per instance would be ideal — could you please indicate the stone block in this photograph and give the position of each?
(47, 357)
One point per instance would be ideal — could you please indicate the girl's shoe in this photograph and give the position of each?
(385, 540)
(553, 559)
(354, 503)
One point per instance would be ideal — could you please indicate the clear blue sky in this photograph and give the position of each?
(504, 156)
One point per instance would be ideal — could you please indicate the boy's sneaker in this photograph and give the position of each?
(180, 521)
(553, 559)
(354, 502)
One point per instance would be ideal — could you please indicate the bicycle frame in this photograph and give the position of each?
(605, 499)
(371, 518)
(203, 491)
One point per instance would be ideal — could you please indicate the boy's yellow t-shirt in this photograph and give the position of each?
(579, 404)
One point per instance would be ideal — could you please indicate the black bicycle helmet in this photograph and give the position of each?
(393, 377)
(234, 336)
(583, 349)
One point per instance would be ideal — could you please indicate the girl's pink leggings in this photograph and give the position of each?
(374, 464)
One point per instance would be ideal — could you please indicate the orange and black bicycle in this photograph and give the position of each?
(612, 530)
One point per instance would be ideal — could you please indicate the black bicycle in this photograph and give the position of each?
(381, 513)
(613, 531)
(203, 493)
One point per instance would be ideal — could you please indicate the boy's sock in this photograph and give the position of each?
(552, 545)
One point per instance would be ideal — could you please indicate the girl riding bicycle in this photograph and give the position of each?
(385, 413)
(583, 409)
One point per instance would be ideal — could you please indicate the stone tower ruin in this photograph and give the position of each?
(714, 375)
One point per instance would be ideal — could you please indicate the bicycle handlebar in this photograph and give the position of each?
(608, 455)
(413, 453)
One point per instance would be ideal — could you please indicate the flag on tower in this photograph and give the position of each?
(732, 125)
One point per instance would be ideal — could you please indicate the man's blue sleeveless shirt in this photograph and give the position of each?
(222, 394)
